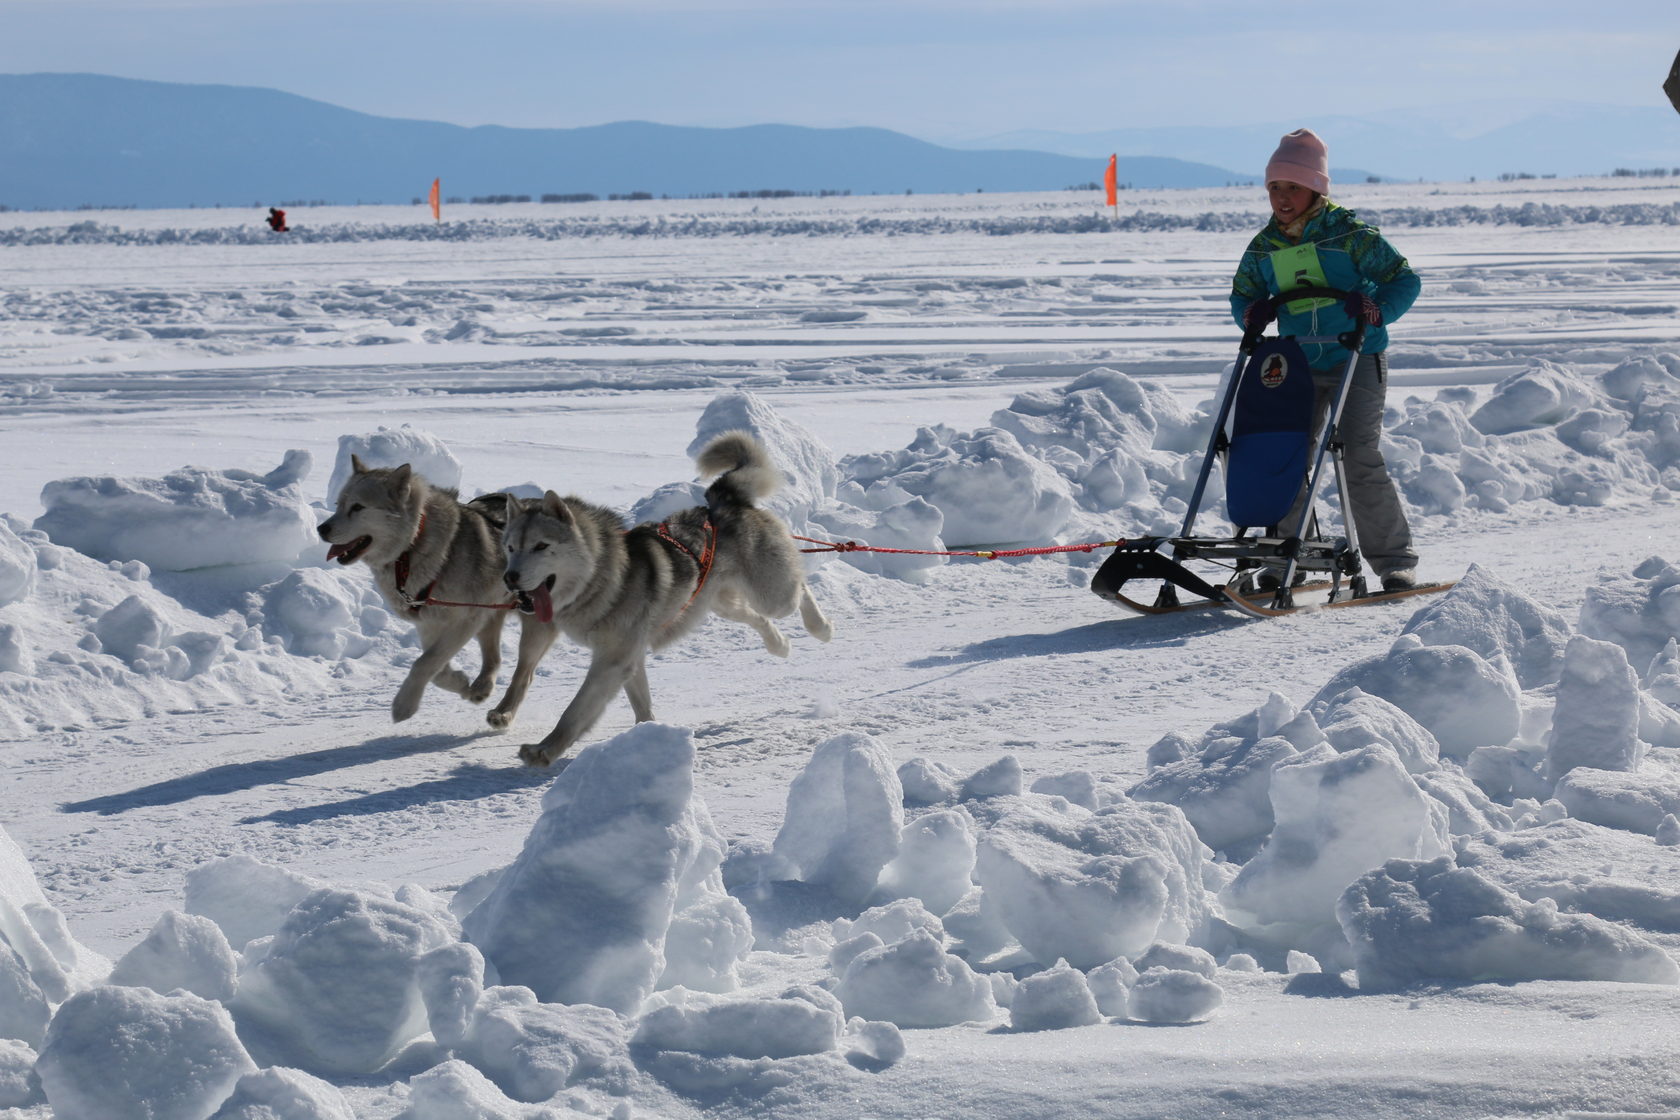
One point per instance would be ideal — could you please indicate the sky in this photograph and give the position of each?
(941, 70)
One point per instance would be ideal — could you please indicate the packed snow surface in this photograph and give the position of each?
(1414, 858)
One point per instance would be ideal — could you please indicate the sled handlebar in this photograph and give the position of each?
(1264, 312)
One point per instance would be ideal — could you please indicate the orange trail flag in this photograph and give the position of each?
(433, 199)
(1111, 180)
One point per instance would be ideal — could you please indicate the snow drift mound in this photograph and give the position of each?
(337, 988)
(1413, 921)
(187, 520)
(392, 447)
(576, 928)
(40, 963)
(1088, 887)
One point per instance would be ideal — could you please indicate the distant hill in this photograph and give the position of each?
(72, 139)
(1481, 140)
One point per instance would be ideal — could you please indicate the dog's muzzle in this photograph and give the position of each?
(534, 601)
(350, 551)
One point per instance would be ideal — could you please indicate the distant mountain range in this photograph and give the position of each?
(68, 140)
(1480, 140)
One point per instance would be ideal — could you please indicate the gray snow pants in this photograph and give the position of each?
(1385, 539)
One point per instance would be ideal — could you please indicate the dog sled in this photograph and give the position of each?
(1263, 437)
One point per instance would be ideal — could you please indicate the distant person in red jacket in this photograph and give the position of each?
(277, 220)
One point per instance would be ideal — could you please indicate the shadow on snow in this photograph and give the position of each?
(469, 781)
(1155, 632)
(236, 777)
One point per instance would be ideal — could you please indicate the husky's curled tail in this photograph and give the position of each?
(745, 474)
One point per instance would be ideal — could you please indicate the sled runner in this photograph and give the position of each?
(1263, 435)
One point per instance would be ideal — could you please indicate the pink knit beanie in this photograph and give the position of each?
(1301, 157)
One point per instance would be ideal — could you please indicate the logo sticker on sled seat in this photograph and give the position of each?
(1275, 371)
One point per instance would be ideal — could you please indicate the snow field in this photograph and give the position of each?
(1415, 855)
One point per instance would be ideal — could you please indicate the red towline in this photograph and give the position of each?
(983, 554)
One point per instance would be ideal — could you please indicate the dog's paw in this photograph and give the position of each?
(498, 719)
(404, 707)
(479, 691)
(535, 754)
(452, 680)
(776, 642)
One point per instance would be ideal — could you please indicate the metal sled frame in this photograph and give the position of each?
(1326, 561)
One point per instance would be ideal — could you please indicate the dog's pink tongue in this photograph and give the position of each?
(336, 551)
(543, 604)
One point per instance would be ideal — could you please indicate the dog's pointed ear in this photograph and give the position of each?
(555, 507)
(356, 464)
(401, 476)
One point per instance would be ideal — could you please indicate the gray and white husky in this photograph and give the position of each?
(435, 560)
(621, 593)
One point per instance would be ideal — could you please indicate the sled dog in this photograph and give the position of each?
(434, 559)
(622, 593)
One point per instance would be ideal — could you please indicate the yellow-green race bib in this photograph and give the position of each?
(1298, 267)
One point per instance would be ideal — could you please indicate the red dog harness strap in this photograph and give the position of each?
(413, 602)
(702, 561)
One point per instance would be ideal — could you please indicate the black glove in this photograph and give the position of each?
(1362, 307)
(1258, 315)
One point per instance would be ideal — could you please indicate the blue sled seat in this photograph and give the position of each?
(1271, 434)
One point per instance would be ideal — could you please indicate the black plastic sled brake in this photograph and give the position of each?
(1263, 435)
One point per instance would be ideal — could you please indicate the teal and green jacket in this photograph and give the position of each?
(1350, 256)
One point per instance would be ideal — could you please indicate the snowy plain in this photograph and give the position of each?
(997, 850)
